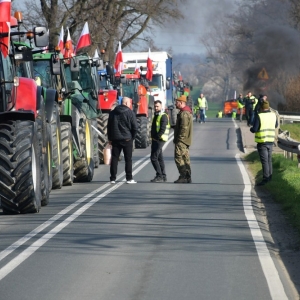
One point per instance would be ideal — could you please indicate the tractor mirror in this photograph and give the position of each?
(55, 65)
(109, 70)
(74, 65)
(41, 37)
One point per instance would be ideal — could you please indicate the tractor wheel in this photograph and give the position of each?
(84, 166)
(20, 167)
(46, 166)
(141, 139)
(95, 144)
(67, 152)
(57, 167)
(102, 140)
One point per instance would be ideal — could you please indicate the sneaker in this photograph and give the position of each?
(112, 182)
(165, 178)
(132, 181)
(181, 180)
(157, 179)
(189, 180)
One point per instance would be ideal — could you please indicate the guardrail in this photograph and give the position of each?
(288, 145)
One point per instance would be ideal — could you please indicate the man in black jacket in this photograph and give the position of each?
(159, 134)
(121, 131)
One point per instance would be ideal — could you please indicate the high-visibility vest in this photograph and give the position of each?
(266, 132)
(234, 114)
(220, 114)
(255, 102)
(202, 102)
(165, 135)
(240, 105)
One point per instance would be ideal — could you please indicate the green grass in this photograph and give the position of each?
(285, 184)
(294, 130)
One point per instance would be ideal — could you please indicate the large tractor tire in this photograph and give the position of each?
(57, 165)
(84, 166)
(67, 153)
(95, 144)
(141, 139)
(20, 167)
(102, 140)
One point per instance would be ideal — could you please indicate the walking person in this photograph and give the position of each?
(241, 104)
(183, 140)
(264, 129)
(121, 131)
(159, 133)
(202, 103)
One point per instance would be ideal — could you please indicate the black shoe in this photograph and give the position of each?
(263, 182)
(165, 178)
(189, 180)
(181, 180)
(157, 179)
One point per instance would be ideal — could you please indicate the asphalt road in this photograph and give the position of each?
(148, 241)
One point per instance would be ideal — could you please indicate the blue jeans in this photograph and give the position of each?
(265, 154)
(202, 114)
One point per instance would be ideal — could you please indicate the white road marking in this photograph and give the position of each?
(15, 262)
(271, 274)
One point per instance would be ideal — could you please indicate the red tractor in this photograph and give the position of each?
(24, 160)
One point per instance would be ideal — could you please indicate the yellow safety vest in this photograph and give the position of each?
(255, 101)
(266, 132)
(202, 102)
(240, 105)
(234, 114)
(220, 114)
(165, 135)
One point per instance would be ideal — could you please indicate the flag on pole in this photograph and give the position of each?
(179, 75)
(68, 52)
(84, 39)
(136, 69)
(149, 73)
(61, 40)
(5, 7)
(96, 55)
(119, 60)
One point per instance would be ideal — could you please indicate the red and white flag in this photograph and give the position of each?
(69, 51)
(149, 73)
(5, 7)
(119, 60)
(61, 40)
(84, 39)
(136, 69)
(179, 75)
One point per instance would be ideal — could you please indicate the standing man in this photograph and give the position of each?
(159, 133)
(121, 131)
(264, 129)
(202, 103)
(241, 105)
(251, 102)
(183, 140)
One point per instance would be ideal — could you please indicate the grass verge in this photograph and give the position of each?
(294, 130)
(285, 184)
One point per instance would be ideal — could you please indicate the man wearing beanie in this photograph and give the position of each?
(183, 140)
(264, 129)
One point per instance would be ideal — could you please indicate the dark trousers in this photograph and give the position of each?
(265, 154)
(117, 147)
(157, 158)
(249, 115)
(202, 115)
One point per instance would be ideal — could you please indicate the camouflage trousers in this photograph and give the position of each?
(182, 160)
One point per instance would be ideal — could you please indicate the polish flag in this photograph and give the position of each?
(68, 52)
(84, 39)
(5, 6)
(136, 69)
(119, 60)
(149, 73)
(179, 75)
(61, 40)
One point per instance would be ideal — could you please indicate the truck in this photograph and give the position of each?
(23, 129)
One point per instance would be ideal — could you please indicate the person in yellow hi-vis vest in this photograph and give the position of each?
(202, 103)
(240, 104)
(159, 133)
(264, 129)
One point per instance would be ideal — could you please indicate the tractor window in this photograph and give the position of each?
(42, 70)
(85, 77)
(128, 90)
(8, 75)
(156, 83)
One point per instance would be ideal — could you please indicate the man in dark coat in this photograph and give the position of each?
(121, 131)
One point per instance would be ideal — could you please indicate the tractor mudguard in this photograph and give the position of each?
(76, 118)
(51, 98)
(26, 95)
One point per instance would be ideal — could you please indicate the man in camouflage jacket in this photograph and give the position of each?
(183, 140)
